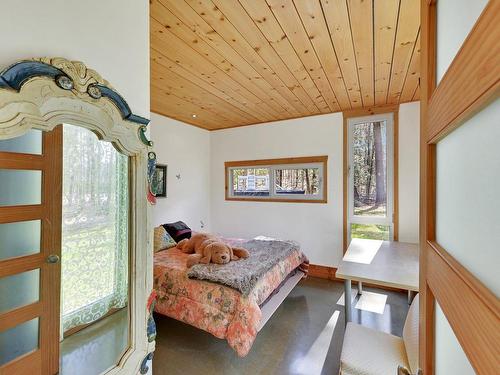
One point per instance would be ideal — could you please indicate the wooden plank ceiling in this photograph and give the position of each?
(224, 63)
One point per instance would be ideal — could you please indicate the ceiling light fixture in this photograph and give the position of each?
(193, 115)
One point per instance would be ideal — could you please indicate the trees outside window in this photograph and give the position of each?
(370, 201)
(299, 179)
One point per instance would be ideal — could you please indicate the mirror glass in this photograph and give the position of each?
(95, 254)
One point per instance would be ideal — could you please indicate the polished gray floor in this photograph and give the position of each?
(304, 336)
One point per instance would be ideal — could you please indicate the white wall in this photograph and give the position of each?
(186, 151)
(467, 195)
(409, 164)
(450, 357)
(455, 19)
(111, 37)
(318, 227)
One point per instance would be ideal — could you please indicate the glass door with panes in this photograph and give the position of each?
(30, 235)
(370, 178)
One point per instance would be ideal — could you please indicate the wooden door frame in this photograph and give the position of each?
(50, 287)
(44, 359)
(470, 83)
(361, 112)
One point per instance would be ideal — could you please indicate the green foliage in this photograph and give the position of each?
(370, 231)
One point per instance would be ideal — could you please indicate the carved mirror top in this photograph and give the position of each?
(41, 92)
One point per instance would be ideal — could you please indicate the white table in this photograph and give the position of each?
(385, 263)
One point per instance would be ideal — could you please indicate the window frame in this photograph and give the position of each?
(388, 113)
(320, 162)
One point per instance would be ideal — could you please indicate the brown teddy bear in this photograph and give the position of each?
(205, 248)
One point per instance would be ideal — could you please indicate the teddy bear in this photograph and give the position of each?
(205, 248)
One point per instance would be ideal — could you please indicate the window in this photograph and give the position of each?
(370, 177)
(283, 180)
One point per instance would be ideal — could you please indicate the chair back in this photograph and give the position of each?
(410, 335)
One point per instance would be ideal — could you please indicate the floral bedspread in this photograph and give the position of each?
(215, 308)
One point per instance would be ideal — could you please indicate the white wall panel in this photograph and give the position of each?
(409, 172)
(110, 36)
(468, 195)
(449, 355)
(186, 151)
(455, 19)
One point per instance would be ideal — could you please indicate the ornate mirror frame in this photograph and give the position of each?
(45, 92)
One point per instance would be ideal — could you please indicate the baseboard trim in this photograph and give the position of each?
(323, 272)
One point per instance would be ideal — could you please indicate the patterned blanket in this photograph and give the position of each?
(220, 310)
(244, 274)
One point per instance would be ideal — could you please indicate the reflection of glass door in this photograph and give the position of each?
(30, 234)
(370, 181)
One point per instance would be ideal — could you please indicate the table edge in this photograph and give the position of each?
(414, 288)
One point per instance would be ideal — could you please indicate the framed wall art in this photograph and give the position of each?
(160, 181)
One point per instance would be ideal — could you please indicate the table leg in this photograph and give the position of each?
(360, 287)
(347, 300)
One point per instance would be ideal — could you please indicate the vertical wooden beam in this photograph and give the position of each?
(427, 85)
(50, 286)
(395, 186)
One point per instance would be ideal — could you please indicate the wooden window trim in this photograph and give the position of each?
(470, 83)
(370, 111)
(281, 161)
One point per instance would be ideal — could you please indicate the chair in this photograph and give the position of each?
(369, 352)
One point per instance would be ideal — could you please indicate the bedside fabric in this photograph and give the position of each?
(178, 230)
(162, 240)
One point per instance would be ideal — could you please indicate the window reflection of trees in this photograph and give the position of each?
(95, 228)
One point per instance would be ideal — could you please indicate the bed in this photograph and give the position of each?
(220, 310)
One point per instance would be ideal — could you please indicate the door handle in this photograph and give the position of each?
(53, 258)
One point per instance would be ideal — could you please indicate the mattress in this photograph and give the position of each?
(220, 310)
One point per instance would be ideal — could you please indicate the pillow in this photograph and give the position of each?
(162, 240)
(178, 231)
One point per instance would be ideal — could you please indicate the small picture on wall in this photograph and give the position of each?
(159, 183)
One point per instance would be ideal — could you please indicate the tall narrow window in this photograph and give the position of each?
(95, 228)
(370, 183)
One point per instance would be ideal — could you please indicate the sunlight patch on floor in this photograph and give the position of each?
(373, 302)
(354, 293)
(312, 362)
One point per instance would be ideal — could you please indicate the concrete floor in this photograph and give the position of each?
(304, 336)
